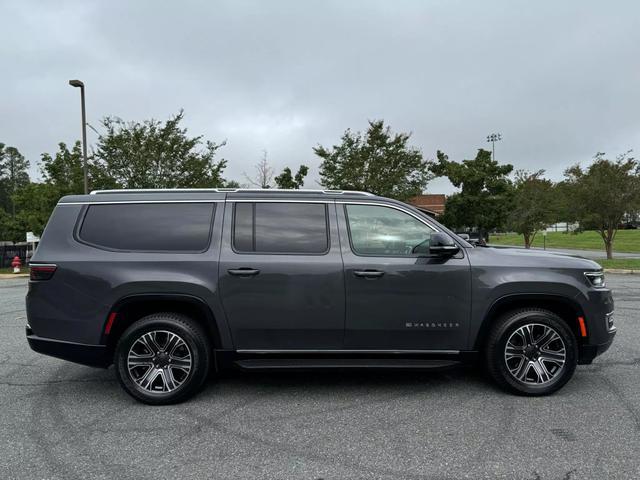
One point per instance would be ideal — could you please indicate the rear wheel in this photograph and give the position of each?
(162, 358)
(531, 352)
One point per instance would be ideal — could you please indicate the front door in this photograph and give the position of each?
(398, 299)
(281, 275)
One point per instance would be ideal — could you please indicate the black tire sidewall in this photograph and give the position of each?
(497, 343)
(193, 336)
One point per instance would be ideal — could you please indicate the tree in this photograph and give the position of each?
(286, 180)
(602, 194)
(377, 161)
(485, 191)
(263, 177)
(65, 170)
(13, 175)
(533, 205)
(232, 184)
(35, 202)
(154, 154)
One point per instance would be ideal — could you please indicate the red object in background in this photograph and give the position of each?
(16, 264)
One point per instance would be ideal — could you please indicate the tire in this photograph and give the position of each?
(163, 358)
(542, 353)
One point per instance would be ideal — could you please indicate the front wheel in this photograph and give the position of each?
(162, 358)
(531, 352)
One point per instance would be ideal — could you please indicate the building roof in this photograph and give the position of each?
(433, 202)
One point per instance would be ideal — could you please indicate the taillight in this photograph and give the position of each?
(41, 272)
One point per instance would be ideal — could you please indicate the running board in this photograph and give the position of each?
(322, 363)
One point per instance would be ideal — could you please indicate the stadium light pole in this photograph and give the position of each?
(78, 83)
(493, 138)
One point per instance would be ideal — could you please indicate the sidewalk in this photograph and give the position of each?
(591, 254)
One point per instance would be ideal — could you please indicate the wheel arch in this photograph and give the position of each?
(131, 308)
(566, 308)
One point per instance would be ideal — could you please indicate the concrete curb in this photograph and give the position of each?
(6, 276)
(625, 271)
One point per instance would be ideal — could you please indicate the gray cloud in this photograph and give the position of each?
(559, 80)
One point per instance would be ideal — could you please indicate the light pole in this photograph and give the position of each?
(78, 83)
(493, 138)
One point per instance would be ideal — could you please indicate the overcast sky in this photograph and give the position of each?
(559, 80)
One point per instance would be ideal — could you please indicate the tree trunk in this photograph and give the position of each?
(608, 245)
(527, 241)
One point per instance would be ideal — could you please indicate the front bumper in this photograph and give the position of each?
(588, 352)
(91, 355)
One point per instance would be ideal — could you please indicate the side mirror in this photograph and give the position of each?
(442, 244)
(464, 236)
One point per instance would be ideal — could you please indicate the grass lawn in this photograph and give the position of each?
(623, 263)
(626, 240)
(10, 270)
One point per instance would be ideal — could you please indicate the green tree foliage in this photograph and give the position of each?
(377, 161)
(534, 205)
(485, 191)
(603, 193)
(35, 202)
(232, 184)
(65, 171)
(13, 176)
(289, 181)
(155, 154)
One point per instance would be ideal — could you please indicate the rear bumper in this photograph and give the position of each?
(91, 355)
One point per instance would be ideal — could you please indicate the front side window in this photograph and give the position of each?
(385, 231)
(148, 227)
(264, 227)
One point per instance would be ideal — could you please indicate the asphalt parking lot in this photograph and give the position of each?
(59, 420)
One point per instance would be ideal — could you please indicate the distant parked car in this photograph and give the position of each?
(629, 226)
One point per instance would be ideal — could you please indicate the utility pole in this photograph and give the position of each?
(493, 138)
(78, 83)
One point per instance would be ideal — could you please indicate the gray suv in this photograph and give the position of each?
(172, 285)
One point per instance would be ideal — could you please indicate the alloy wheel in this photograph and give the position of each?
(535, 354)
(159, 361)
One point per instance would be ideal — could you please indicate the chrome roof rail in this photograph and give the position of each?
(230, 190)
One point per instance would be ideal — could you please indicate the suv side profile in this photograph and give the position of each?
(172, 285)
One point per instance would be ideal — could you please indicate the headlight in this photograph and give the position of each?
(596, 279)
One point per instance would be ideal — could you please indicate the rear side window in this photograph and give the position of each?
(149, 227)
(280, 228)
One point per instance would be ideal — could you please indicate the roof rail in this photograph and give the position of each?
(228, 190)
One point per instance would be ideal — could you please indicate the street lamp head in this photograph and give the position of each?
(76, 83)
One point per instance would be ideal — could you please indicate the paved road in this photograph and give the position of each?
(64, 421)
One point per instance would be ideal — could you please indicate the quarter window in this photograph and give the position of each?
(150, 227)
(280, 228)
(385, 231)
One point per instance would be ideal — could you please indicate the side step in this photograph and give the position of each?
(322, 363)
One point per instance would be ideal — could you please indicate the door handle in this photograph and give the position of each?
(243, 272)
(368, 273)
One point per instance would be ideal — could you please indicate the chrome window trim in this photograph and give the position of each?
(265, 200)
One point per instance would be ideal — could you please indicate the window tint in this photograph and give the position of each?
(386, 231)
(243, 227)
(176, 227)
(280, 227)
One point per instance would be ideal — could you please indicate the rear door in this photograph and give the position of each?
(281, 274)
(396, 299)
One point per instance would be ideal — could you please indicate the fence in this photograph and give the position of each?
(7, 252)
